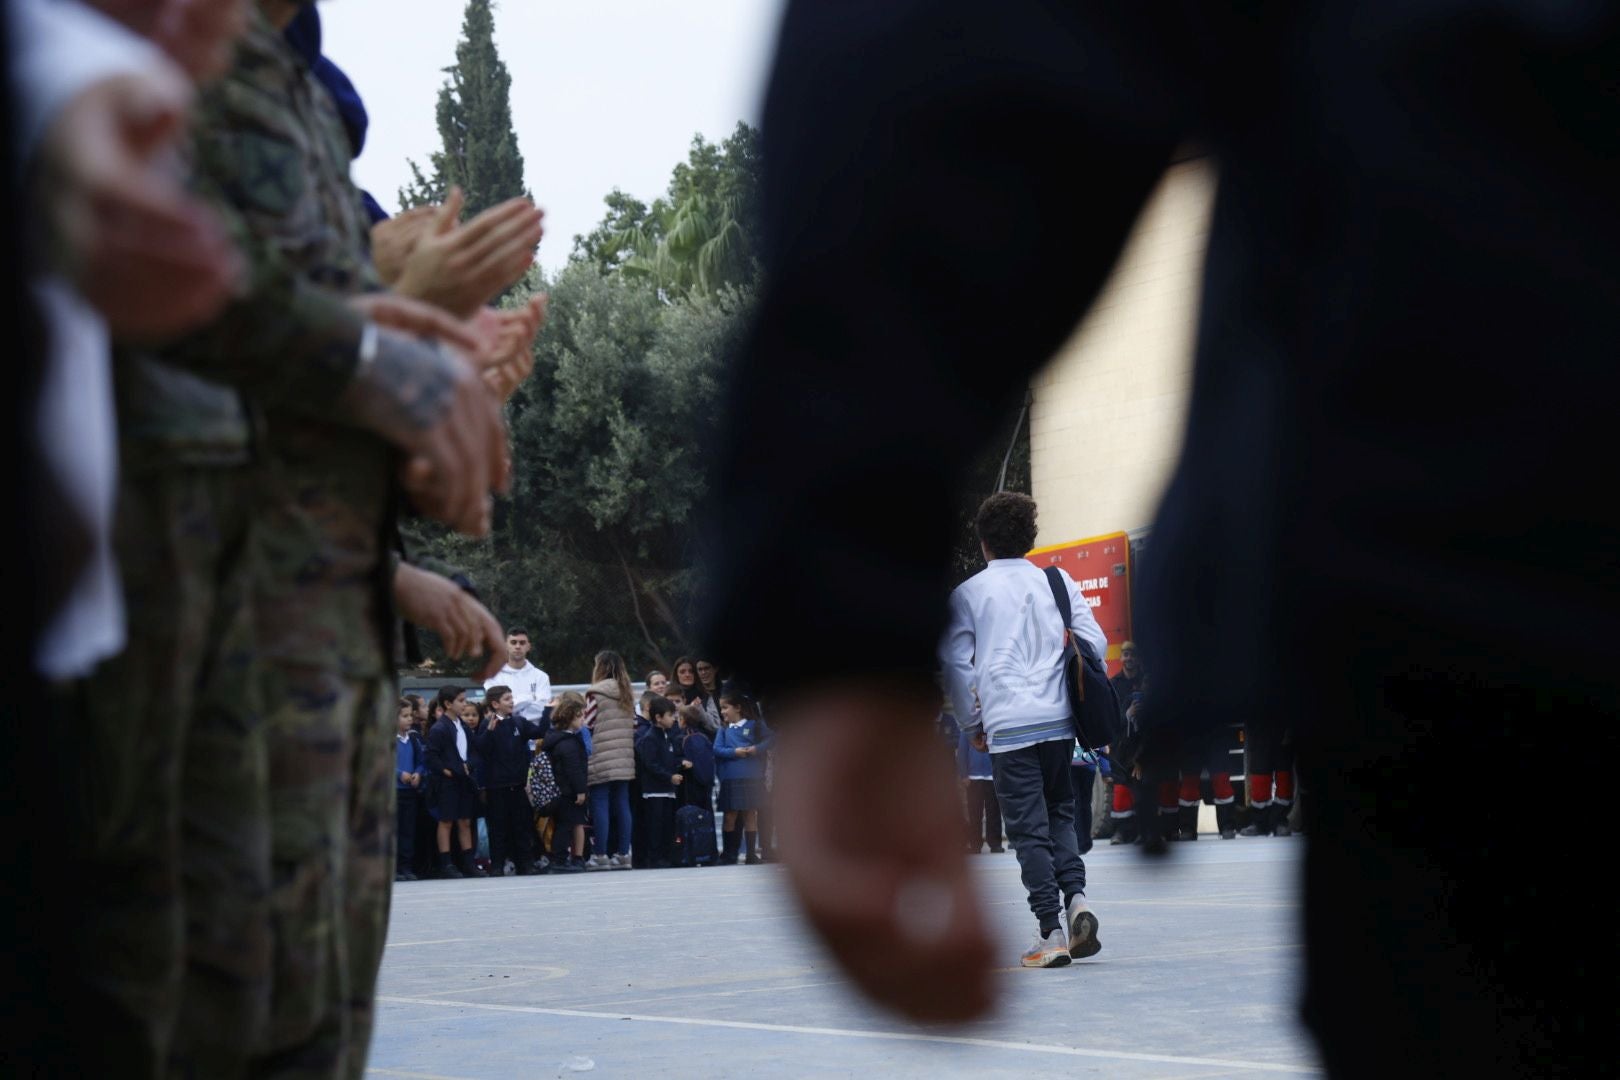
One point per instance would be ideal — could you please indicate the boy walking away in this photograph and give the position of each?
(566, 748)
(1006, 640)
(658, 767)
(978, 781)
(504, 745)
(409, 755)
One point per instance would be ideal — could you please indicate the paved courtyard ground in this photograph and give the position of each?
(707, 973)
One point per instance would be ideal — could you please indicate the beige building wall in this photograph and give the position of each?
(1106, 422)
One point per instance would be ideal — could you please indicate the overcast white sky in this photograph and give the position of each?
(605, 93)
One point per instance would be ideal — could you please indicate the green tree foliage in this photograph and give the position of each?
(701, 236)
(479, 148)
(596, 544)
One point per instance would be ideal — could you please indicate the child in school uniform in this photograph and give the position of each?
(983, 811)
(697, 758)
(658, 767)
(738, 749)
(566, 748)
(409, 764)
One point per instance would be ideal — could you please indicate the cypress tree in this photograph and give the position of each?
(480, 149)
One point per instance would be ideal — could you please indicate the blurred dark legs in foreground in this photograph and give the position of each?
(1441, 932)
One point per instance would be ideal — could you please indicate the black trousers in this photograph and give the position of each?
(638, 827)
(659, 817)
(406, 801)
(511, 827)
(1036, 794)
(984, 813)
(1269, 746)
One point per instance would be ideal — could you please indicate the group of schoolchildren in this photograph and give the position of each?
(634, 781)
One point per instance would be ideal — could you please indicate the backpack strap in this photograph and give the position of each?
(1061, 595)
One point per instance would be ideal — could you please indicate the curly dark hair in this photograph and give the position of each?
(1006, 524)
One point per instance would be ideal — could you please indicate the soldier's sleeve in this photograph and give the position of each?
(282, 339)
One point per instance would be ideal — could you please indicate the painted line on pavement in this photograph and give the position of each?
(848, 1033)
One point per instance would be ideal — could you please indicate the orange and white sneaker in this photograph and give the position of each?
(1049, 950)
(1082, 930)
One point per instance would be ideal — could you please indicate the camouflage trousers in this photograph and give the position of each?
(164, 804)
(332, 823)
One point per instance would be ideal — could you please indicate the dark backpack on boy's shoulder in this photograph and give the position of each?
(1093, 705)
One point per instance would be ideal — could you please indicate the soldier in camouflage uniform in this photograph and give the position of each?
(273, 144)
(244, 893)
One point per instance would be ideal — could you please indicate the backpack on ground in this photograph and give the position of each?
(1092, 701)
(542, 787)
(694, 837)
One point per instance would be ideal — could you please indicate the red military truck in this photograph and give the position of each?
(1101, 567)
(1104, 568)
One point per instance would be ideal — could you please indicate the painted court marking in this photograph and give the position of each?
(848, 1033)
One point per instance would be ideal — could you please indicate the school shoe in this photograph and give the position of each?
(1259, 821)
(1049, 950)
(1187, 823)
(1082, 930)
(448, 869)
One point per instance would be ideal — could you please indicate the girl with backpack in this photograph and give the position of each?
(564, 749)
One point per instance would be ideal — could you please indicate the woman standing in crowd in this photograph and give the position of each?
(708, 677)
(613, 760)
(685, 690)
(738, 748)
(452, 793)
(657, 683)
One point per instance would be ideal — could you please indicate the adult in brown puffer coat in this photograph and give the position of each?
(613, 760)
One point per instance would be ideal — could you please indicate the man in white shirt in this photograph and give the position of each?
(531, 687)
(1003, 655)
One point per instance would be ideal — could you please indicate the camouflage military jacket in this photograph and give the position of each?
(287, 337)
(272, 153)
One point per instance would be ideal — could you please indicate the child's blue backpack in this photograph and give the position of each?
(542, 787)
